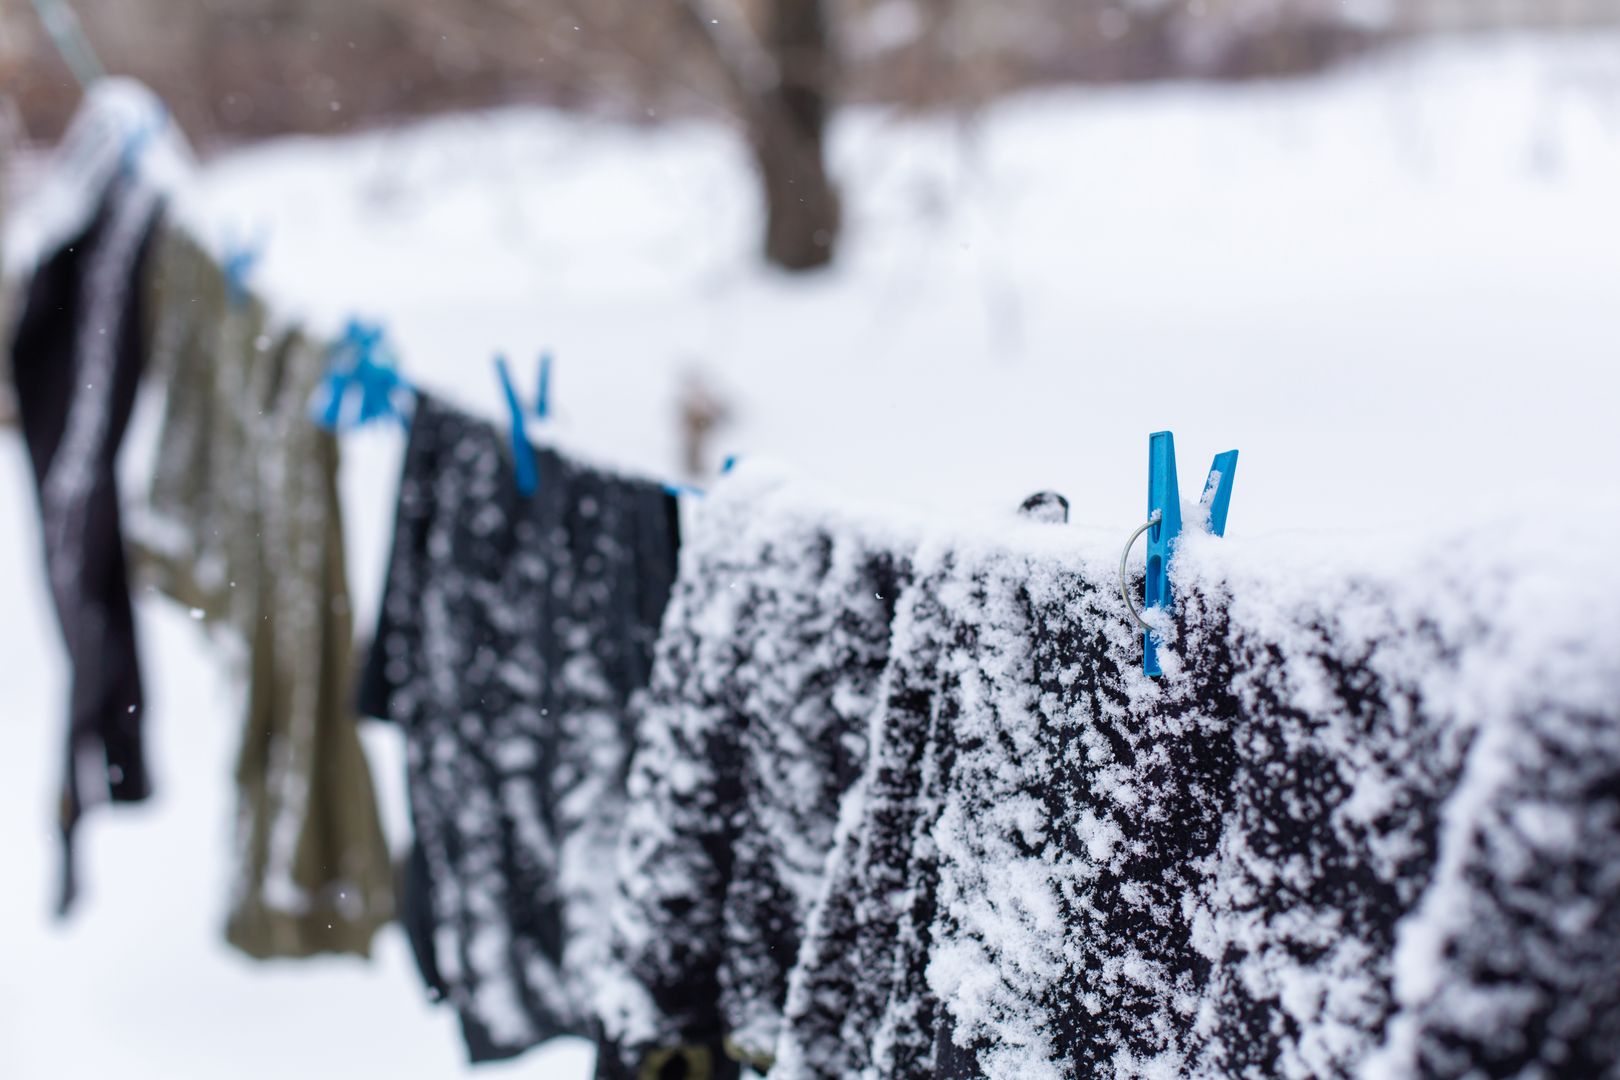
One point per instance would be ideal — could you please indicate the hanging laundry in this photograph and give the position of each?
(8, 284)
(767, 669)
(76, 362)
(515, 633)
(860, 1001)
(121, 132)
(1311, 851)
(243, 528)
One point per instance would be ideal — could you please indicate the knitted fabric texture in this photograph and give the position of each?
(766, 672)
(1360, 829)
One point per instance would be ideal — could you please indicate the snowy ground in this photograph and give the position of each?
(1396, 289)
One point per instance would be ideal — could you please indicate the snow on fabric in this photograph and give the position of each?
(766, 670)
(515, 632)
(243, 528)
(1368, 826)
(1398, 161)
(120, 129)
(866, 928)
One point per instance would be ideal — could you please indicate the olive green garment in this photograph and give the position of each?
(243, 528)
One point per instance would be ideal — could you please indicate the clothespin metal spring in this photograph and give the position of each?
(1124, 586)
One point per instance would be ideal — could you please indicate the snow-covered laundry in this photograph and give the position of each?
(515, 633)
(76, 359)
(766, 673)
(1368, 825)
(243, 528)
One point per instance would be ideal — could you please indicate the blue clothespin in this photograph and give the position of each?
(523, 457)
(1164, 525)
(238, 263)
(361, 364)
(1217, 497)
(542, 399)
(696, 492)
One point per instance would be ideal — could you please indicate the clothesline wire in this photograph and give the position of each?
(68, 36)
(62, 26)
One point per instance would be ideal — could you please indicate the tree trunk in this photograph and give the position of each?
(787, 127)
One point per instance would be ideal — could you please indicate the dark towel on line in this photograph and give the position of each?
(513, 636)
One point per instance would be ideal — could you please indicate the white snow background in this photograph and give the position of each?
(1396, 289)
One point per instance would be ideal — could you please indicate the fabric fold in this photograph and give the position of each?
(515, 637)
(76, 360)
(243, 528)
(766, 671)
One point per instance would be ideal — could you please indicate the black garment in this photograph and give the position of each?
(1320, 847)
(76, 361)
(514, 634)
(858, 998)
(766, 675)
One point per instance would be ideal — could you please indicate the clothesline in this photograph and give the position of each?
(66, 34)
(124, 127)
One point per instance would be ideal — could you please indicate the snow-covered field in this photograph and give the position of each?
(1396, 289)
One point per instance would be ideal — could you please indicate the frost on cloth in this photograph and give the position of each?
(76, 365)
(515, 633)
(243, 528)
(1352, 833)
(767, 668)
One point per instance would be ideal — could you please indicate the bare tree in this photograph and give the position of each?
(780, 78)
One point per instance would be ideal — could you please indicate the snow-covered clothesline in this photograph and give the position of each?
(899, 800)
(1368, 824)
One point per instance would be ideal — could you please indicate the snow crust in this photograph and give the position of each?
(753, 728)
(1364, 827)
